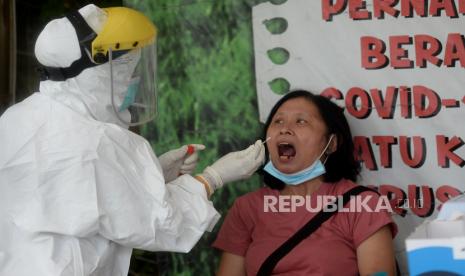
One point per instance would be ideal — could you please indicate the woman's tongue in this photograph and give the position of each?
(286, 152)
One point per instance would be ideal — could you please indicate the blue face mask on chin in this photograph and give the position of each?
(313, 171)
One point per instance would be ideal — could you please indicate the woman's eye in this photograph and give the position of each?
(301, 121)
(278, 121)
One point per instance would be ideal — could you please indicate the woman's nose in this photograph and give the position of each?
(285, 130)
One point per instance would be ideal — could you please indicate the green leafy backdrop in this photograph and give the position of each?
(206, 95)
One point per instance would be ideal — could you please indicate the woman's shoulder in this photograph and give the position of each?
(247, 207)
(254, 198)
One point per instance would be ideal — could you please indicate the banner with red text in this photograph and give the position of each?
(397, 67)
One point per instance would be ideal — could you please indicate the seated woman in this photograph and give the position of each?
(311, 154)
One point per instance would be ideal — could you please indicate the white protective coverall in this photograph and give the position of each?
(77, 191)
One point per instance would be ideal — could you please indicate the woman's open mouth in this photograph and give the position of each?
(286, 151)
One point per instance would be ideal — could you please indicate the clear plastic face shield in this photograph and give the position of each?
(133, 84)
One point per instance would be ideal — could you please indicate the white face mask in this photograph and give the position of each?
(313, 171)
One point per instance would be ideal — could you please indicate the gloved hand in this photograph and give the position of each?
(234, 166)
(179, 161)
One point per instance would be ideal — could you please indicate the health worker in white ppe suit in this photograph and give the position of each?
(78, 190)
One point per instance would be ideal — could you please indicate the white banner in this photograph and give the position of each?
(397, 66)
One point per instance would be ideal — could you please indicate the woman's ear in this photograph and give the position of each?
(333, 144)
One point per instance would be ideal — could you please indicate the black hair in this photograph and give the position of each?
(341, 163)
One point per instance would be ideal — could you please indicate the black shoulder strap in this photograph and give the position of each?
(310, 227)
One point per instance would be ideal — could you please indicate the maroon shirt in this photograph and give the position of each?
(251, 232)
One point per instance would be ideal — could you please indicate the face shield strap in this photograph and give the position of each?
(85, 36)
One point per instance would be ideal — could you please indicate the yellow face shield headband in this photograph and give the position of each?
(124, 30)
